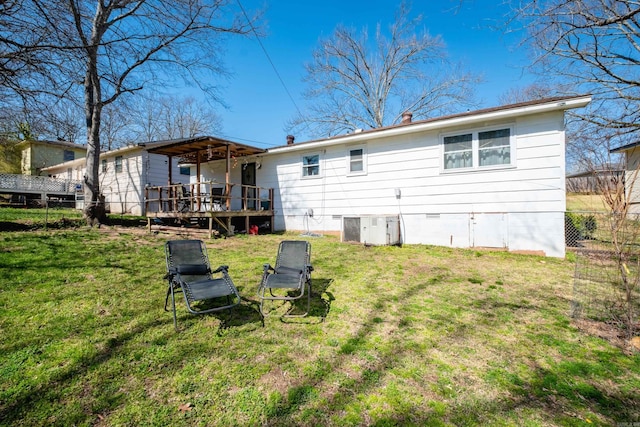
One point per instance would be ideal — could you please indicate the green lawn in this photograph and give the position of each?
(586, 202)
(411, 335)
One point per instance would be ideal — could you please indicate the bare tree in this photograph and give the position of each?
(109, 48)
(187, 117)
(592, 45)
(528, 93)
(118, 125)
(357, 83)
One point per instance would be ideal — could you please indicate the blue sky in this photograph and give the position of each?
(259, 105)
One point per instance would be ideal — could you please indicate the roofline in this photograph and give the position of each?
(56, 143)
(467, 118)
(625, 147)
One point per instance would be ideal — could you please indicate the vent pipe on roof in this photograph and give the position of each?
(290, 139)
(406, 117)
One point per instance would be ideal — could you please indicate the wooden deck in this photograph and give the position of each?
(210, 204)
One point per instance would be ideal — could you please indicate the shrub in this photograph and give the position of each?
(579, 227)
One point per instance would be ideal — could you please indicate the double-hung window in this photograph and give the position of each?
(310, 165)
(118, 164)
(478, 149)
(458, 151)
(494, 147)
(104, 165)
(357, 161)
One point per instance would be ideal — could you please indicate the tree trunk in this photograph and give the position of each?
(94, 203)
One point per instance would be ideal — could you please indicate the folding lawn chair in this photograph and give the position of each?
(188, 269)
(290, 279)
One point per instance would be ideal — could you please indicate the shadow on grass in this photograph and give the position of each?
(29, 398)
(319, 304)
(247, 312)
(556, 392)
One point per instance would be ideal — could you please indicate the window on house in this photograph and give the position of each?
(494, 147)
(311, 165)
(118, 164)
(357, 163)
(104, 165)
(480, 149)
(458, 151)
(68, 155)
(185, 170)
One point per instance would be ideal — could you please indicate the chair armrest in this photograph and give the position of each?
(222, 268)
(267, 268)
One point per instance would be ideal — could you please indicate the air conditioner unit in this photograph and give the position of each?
(372, 229)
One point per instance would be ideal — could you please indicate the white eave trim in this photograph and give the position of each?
(563, 105)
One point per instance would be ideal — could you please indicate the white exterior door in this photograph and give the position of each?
(489, 230)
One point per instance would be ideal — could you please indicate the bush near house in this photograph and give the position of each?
(579, 227)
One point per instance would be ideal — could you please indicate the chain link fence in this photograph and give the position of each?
(607, 272)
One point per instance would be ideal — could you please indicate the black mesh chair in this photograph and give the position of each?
(290, 279)
(188, 269)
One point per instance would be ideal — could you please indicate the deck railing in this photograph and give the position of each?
(206, 197)
(15, 183)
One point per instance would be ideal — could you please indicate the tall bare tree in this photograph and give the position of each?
(593, 45)
(108, 48)
(354, 82)
(185, 118)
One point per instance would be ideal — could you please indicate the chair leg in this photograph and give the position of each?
(166, 300)
(173, 302)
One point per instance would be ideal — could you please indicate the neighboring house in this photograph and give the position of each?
(38, 155)
(488, 178)
(631, 183)
(123, 175)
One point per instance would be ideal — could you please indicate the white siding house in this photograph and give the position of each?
(487, 178)
(123, 175)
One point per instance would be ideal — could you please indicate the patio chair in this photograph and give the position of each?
(184, 198)
(290, 279)
(188, 269)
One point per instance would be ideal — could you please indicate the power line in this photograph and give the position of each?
(255, 33)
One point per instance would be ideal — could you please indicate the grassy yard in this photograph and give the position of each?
(411, 335)
(586, 202)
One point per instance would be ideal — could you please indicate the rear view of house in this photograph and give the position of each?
(488, 178)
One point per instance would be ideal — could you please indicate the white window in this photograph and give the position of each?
(311, 165)
(489, 148)
(357, 161)
(118, 164)
(494, 147)
(104, 165)
(458, 151)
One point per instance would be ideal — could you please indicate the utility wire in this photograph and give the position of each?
(268, 57)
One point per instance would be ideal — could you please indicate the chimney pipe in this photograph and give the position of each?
(406, 117)
(290, 139)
